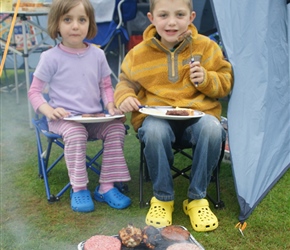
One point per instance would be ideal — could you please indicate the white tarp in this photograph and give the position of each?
(255, 37)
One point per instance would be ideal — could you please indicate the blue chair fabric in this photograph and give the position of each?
(113, 36)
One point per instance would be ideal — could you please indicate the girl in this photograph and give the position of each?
(78, 79)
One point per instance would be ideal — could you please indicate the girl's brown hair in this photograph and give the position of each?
(61, 7)
(153, 3)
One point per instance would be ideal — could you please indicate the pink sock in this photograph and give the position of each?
(76, 189)
(105, 187)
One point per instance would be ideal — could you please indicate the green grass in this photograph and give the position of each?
(28, 221)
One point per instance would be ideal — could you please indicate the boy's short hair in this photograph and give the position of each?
(153, 3)
(61, 7)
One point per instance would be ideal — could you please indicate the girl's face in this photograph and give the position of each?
(74, 26)
(171, 18)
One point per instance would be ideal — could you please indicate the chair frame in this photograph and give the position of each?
(43, 155)
(144, 175)
(120, 44)
(120, 30)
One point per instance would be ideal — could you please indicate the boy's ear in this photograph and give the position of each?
(192, 16)
(150, 17)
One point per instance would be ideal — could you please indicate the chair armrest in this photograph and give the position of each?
(130, 6)
(120, 14)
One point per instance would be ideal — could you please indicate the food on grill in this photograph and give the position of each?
(131, 236)
(172, 237)
(151, 236)
(175, 233)
(94, 115)
(183, 246)
(184, 35)
(102, 242)
(180, 112)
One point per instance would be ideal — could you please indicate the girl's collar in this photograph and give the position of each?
(73, 50)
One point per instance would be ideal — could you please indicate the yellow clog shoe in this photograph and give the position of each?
(160, 213)
(201, 217)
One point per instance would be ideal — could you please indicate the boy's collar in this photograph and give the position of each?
(157, 36)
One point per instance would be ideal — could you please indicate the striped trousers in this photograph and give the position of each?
(75, 136)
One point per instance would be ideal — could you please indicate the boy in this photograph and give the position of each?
(160, 71)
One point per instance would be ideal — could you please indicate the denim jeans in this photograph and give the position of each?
(204, 135)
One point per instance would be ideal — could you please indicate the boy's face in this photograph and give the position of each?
(171, 18)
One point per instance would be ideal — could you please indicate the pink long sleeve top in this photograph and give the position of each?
(77, 80)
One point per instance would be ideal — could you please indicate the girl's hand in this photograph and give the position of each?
(114, 111)
(57, 113)
(51, 113)
(196, 74)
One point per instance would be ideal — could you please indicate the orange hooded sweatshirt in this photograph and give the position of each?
(157, 76)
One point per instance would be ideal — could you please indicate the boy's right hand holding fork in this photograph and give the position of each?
(197, 73)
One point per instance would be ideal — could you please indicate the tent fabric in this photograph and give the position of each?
(288, 11)
(255, 37)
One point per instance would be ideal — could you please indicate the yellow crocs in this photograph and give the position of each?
(160, 213)
(201, 217)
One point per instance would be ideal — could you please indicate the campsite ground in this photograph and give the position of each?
(28, 221)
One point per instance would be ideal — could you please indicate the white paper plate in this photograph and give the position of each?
(160, 112)
(79, 118)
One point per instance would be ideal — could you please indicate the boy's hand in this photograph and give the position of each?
(196, 73)
(130, 104)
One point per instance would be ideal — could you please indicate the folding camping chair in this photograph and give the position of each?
(113, 36)
(46, 164)
(180, 171)
(44, 153)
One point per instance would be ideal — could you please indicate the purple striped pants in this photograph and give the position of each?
(75, 136)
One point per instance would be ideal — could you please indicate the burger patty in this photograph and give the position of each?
(180, 112)
(183, 246)
(151, 236)
(131, 236)
(102, 242)
(94, 115)
(175, 233)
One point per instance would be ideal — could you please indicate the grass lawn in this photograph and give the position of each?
(28, 221)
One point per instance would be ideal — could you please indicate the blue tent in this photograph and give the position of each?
(255, 37)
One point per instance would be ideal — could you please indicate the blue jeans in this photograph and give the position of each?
(204, 135)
